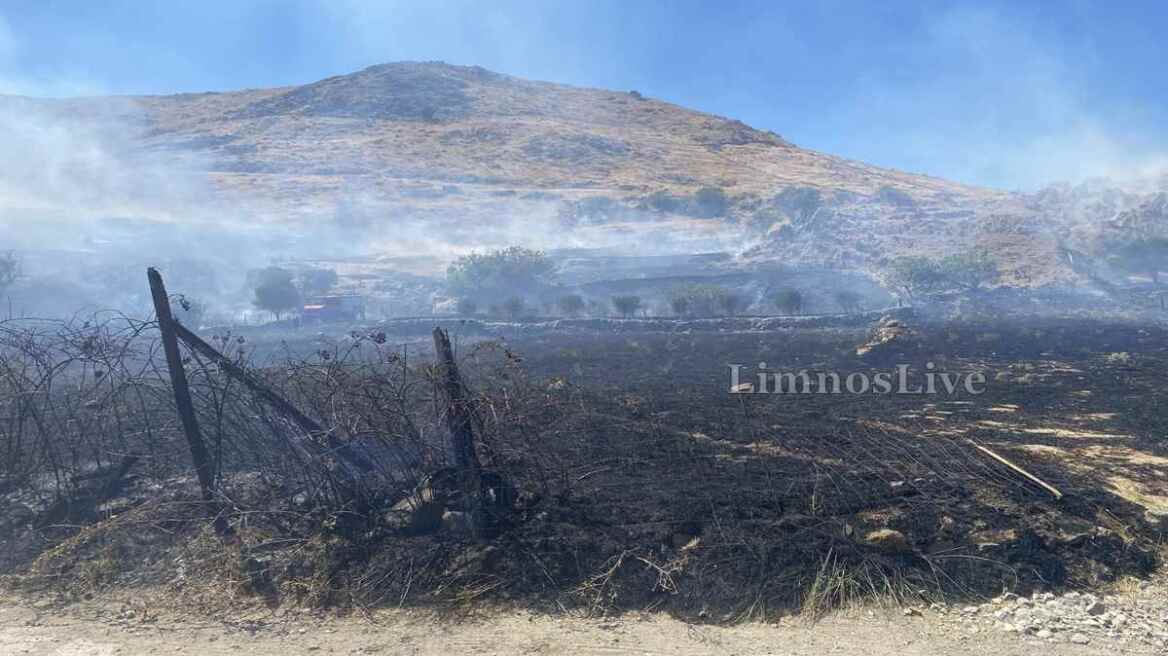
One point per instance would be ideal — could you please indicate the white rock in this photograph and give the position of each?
(1079, 639)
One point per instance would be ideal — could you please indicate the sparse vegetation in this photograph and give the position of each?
(848, 301)
(317, 282)
(703, 300)
(1147, 256)
(572, 305)
(913, 275)
(710, 203)
(968, 271)
(500, 274)
(275, 291)
(731, 303)
(788, 301)
(514, 307)
(9, 270)
(626, 306)
(467, 307)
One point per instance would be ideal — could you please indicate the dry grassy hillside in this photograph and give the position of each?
(471, 149)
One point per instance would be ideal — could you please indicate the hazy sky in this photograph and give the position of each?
(1009, 94)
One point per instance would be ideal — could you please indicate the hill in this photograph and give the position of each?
(434, 158)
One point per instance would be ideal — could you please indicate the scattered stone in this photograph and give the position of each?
(888, 540)
(1080, 639)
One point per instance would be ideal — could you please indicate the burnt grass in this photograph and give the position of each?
(643, 483)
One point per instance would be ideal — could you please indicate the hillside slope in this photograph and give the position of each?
(412, 152)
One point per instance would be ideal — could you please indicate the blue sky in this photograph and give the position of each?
(1007, 94)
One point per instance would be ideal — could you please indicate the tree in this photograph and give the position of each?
(915, 275)
(710, 203)
(317, 282)
(467, 307)
(626, 306)
(848, 301)
(968, 270)
(788, 300)
(9, 269)
(571, 305)
(514, 307)
(703, 300)
(730, 303)
(500, 274)
(275, 291)
(1147, 255)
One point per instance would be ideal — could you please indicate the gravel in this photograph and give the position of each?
(1132, 619)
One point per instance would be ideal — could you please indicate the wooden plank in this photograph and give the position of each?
(204, 469)
(459, 422)
(1027, 475)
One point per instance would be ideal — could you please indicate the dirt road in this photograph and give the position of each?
(93, 631)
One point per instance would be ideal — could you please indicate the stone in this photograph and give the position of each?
(1079, 639)
(888, 540)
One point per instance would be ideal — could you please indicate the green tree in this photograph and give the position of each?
(317, 282)
(572, 305)
(275, 291)
(848, 301)
(514, 307)
(702, 300)
(1147, 255)
(500, 274)
(9, 269)
(968, 270)
(915, 275)
(626, 306)
(710, 203)
(730, 303)
(467, 307)
(788, 300)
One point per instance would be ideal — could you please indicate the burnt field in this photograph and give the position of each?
(628, 476)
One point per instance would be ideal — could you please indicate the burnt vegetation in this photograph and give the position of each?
(615, 472)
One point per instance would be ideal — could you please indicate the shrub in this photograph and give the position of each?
(703, 300)
(789, 300)
(730, 303)
(1147, 255)
(848, 301)
(317, 282)
(467, 307)
(275, 292)
(514, 307)
(710, 202)
(915, 275)
(499, 274)
(9, 270)
(571, 304)
(626, 306)
(968, 270)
